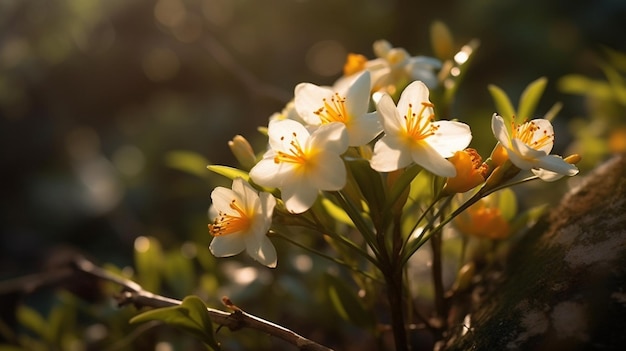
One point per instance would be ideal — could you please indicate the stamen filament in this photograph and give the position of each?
(226, 223)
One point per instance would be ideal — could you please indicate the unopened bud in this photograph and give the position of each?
(240, 147)
(441, 40)
(573, 159)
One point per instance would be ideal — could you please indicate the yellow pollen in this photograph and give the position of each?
(333, 110)
(296, 153)
(527, 133)
(420, 126)
(230, 223)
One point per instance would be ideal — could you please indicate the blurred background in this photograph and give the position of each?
(96, 97)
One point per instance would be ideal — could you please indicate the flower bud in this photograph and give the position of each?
(499, 155)
(441, 40)
(470, 171)
(483, 221)
(240, 147)
(573, 159)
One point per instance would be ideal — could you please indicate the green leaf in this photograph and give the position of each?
(401, 184)
(336, 212)
(507, 203)
(503, 105)
(148, 262)
(188, 162)
(178, 272)
(530, 98)
(347, 304)
(229, 172)
(191, 316)
(31, 319)
(370, 184)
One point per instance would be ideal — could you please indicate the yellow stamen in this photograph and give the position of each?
(354, 63)
(420, 126)
(230, 223)
(296, 153)
(333, 111)
(526, 132)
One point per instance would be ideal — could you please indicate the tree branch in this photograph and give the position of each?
(133, 293)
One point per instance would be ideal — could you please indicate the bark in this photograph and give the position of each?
(564, 287)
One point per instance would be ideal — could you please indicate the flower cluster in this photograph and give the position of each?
(357, 118)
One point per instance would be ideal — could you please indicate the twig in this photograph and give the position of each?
(133, 293)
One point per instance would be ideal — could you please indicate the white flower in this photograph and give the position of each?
(529, 147)
(301, 164)
(241, 223)
(411, 135)
(345, 103)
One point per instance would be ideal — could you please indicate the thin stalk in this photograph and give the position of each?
(358, 221)
(328, 257)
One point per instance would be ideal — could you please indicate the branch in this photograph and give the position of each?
(133, 293)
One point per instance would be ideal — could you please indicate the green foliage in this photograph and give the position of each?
(191, 316)
(188, 162)
(347, 304)
(229, 172)
(149, 261)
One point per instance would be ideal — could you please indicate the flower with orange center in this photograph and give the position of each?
(470, 171)
(301, 164)
(241, 219)
(346, 103)
(528, 146)
(412, 134)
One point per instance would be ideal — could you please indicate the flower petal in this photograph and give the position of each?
(269, 173)
(544, 128)
(450, 137)
(522, 155)
(388, 114)
(282, 132)
(427, 157)
(262, 250)
(500, 131)
(388, 156)
(298, 195)
(227, 245)
(332, 137)
(556, 164)
(414, 94)
(357, 96)
(364, 130)
(329, 173)
(221, 198)
(308, 99)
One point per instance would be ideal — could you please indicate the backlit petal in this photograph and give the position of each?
(431, 160)
(332, 137)
(388, 114)
(308, 99)
(262, 250)
(499, 130)
(367, 128)
(227, 245)
(556, 164)
(298, 195)
(414, 94)
(450, 137)
(282, 132)
(329, 173)
(388, 156)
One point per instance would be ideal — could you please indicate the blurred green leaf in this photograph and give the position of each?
(371, 186)
(178, 272)
(336, 212)
(347, 304)
(191, 316)
(581, 85)
(530, 98)
(507, 203)
(10, 348)
(148, 262)
(229, 172)
(503, 105)
(527, 217)
(31, 319)
(188, 162)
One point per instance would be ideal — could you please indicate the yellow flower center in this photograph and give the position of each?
(295, 155)
(333, 110)
(226, 223)
(354, 63)
(528, 134)
(418, 125)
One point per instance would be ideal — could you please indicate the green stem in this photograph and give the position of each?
(358, 221)
(328, 257)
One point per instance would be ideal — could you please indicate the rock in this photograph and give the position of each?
(564, 286)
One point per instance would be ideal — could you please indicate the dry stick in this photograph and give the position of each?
(134, 294)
